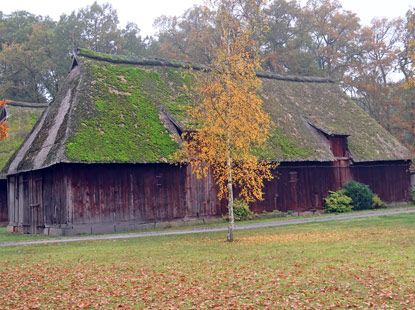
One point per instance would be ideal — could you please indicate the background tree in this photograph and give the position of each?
(286, 42)
(229, 120)
(408, 37)
(369, 79)
(190, 37)
(335, 35)
(21, 59)
(3, 124)
(35, 51)
(405, 114)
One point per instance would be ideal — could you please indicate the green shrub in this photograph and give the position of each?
(272, 214)
(413, 192)
(241, 211)
(338, 202)
(377, 203)
(361, 195)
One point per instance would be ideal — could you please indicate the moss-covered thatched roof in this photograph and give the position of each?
(114, 109)
(20, 118)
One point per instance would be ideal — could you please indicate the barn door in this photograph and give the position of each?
(35, 205)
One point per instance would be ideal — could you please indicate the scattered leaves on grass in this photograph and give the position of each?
(364, 266)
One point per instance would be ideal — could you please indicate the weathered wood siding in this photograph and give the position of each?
(35, 200)
(201, 196)
(55, 195)
(390, 180)
(297, 188)
(77, 195)
(84, 197)
(3, 202)
(141, 193)
(113, 193)
(303, 188)
(338, 146)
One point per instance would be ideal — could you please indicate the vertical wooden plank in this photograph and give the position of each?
(131, 205)
(11, 190)
(68, 187)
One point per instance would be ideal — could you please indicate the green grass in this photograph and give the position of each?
(11, 237)
(365, 263)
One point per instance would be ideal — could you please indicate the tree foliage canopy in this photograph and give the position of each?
(35, 50)
(3, 124)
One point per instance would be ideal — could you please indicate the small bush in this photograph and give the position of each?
(272, 214)
(413, 193)
(241, 211)
(338, 202)
(361, 195)
(377, 203)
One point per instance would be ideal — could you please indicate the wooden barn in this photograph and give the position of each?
(98, 159)
(20, 117)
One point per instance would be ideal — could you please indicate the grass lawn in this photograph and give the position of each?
(365, 263)
(11, 237)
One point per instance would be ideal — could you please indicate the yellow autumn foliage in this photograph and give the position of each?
(228, 117)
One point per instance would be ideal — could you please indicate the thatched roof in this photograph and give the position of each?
(20, 118)
(123, 110)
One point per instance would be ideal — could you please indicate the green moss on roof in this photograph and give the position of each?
(280, 143)
(20, 121)
(292, 104)
(121, 122)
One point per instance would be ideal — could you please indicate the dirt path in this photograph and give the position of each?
(338, 217)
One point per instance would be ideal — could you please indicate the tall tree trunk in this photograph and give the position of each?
(229, 166)
(230, 199)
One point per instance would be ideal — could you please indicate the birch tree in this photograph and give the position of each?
(228, 117)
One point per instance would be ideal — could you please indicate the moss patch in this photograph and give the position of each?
(117, 115)
(279, 143)
(20, 121)
(121, 121)
(292, 104)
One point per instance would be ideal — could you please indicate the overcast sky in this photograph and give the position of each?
(143, 12)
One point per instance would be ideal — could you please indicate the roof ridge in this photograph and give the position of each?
(28, 104)
(145, 61)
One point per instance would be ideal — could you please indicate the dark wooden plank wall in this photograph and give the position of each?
(113, 193)
(391, 181)
(164, 192)
(87, 194)
(35, 199)
(201, 195)
(338, 145)
(3, 202)
(18, 200)
(297, 188)
(300, 189)
(54, 195)
(142, 193)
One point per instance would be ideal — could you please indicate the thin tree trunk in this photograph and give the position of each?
(229, 166)
(230, 200)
